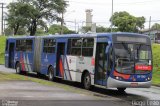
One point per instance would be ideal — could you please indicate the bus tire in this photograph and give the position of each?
(18, 68)
(50, 73)
(121, 90)
(86, 81)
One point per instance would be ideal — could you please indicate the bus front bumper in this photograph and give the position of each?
(113, 83)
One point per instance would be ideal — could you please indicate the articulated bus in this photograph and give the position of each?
(111, 60)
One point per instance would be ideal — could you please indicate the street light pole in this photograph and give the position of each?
(2, 6)
(75, 23)
(112, 17)
(62, 22)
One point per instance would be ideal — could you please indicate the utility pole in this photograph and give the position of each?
(112, 17)
(4, 27)
(75, 25)
(2, 19)
(2, 6)
(149, 25)
(62, 22)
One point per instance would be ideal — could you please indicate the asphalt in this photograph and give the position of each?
(28, 93)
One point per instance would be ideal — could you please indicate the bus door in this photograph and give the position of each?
(101, 64)
(11, 55)
(59, 62)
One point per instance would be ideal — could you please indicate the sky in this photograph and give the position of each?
(102, 10)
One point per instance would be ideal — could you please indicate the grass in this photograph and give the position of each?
(15, 77)
(156, 64)
(2, 47)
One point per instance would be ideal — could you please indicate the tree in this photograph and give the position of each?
(156, 26)
(57, 29)
(21, 31)
(40, 31)
(85, 29)
(101, 29)
(14, 18)
(126, 22)
(33, 12)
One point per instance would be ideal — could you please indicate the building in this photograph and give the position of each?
(154, 35)
(89, 17)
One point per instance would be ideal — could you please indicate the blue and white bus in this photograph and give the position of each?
(112, 60)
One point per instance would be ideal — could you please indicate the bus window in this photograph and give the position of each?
(69, 47)
(87, 47)
(49, 46)
(74, 46)
(20, 45)
(127, 57)
(29, 45)
(24, 45)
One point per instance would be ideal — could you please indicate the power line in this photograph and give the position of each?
(94, 3)
(153, 21)
(105, 22)
(69, 21)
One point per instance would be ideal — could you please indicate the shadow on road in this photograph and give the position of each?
(96, 91)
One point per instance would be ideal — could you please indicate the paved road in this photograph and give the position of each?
(26, 93)
(8, 70)
(33, 94)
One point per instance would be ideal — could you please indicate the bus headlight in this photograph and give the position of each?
(117, 78)
(148, 79)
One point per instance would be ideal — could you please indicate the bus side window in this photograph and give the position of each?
(87, 47)
(74, 46)
(20, 45)
(29, 45)
(49, 45)
(69, 47)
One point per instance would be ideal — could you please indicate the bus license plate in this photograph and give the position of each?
(134, 84)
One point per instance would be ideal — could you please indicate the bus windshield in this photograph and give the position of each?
(132, 58)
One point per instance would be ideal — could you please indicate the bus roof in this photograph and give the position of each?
(80, 35)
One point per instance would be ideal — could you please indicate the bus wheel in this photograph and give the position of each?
(86, 81)
(18, 68)
(121, 89)
(50, 73)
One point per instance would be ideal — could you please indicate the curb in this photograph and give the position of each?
(156, 85)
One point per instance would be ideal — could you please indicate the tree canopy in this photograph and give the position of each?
(57, 29)
(32, 13)
(126, 22)
(156, 26)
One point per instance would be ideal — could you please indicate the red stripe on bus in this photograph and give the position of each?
(22, 62)
(93, 61)
(61, 68)
(124, 76)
